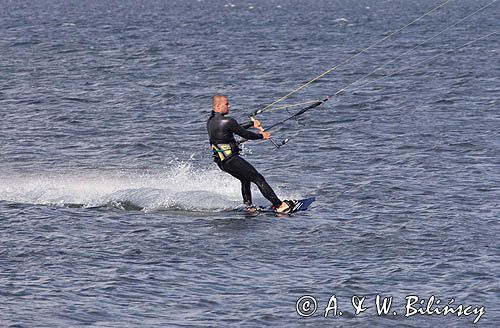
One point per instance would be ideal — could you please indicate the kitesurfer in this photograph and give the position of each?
(221, 129)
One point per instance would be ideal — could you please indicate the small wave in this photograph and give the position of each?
(77, 99)
(179, 188)
(342, 21)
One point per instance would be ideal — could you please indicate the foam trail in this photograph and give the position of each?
(178, 188)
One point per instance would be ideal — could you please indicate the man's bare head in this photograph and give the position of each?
(220, 104)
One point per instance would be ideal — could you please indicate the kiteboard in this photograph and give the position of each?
(299, 205)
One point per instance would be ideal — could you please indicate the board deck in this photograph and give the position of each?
(303, 205)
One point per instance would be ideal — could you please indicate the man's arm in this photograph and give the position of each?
(246, 125)
(253, 122)
(239, 130)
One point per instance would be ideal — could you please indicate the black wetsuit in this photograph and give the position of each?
(221, 131)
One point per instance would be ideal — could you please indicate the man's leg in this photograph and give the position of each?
(246, 190)
(237, 166)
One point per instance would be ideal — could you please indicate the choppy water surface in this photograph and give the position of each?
(112, 213)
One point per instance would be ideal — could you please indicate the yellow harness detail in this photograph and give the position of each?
(224, 151)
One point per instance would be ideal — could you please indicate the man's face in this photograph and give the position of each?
(224, 106)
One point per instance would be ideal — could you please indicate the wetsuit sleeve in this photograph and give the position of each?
(247, 125)
(239, 130)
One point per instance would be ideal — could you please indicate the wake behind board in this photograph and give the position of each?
(299, 205)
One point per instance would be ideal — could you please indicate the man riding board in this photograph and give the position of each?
(221, 130)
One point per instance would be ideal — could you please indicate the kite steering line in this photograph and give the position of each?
(316, 103)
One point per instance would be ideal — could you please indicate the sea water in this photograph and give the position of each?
(113, 214)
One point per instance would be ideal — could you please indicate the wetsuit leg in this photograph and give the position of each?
(246, 190)
(240, 168)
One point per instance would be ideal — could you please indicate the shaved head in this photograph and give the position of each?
(217, 99)
(220, 103)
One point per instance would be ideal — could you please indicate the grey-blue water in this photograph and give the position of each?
(112, 213)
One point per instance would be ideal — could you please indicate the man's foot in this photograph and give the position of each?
(251, 209)
(287, 206)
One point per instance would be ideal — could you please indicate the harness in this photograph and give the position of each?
(222, 152)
